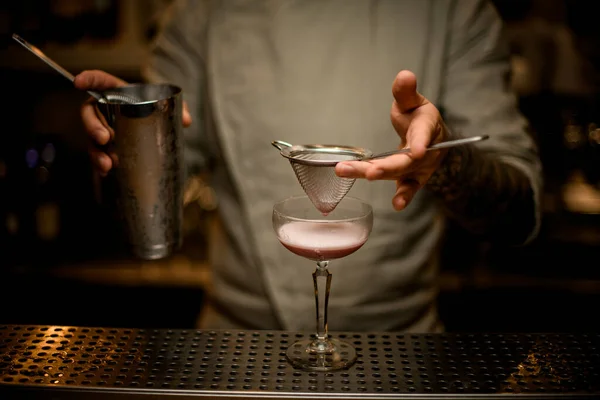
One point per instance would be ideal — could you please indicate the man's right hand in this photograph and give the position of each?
(95, 126)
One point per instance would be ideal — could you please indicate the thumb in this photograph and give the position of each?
(405, 92)
(97, 80)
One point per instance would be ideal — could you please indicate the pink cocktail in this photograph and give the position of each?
(322, 240)
(305, 231)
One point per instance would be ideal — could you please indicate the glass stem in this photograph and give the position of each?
(322, 281)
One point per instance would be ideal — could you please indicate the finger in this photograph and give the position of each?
(114, 159)
(423, 128)
(100, 116)
(389, 168)
(187, 117)
(400, 122)
(100, 160)
(97, 80)
(405, 191)
(93, 125)
(405, 92)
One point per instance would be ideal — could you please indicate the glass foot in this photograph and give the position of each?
(329, 355)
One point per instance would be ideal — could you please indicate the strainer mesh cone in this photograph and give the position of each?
(320, 183)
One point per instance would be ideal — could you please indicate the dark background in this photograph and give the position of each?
(60, 261)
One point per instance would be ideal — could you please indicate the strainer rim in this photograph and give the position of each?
(287, 152)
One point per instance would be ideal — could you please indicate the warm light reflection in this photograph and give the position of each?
(541, 364)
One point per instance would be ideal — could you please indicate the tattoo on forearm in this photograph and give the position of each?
(484, 194)
(444, 181)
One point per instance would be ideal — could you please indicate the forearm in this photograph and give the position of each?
(486, 195)
(492, 188)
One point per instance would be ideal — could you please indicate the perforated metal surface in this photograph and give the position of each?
(76, 362)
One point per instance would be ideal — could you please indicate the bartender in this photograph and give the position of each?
(320, 72)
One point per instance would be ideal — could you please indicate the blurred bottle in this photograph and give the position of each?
(4, 221)
(66, 21)
(73, 21)
(102, 20)
(47, 213)
(591, 154)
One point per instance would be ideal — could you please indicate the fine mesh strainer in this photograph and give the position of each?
(314, 166)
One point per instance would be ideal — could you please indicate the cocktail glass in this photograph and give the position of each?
(305, 231)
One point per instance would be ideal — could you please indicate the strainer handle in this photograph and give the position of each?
(37, 52)
(437, 146)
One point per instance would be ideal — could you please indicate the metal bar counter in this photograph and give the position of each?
(62, 362)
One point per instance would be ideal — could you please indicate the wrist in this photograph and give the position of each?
(448, 179)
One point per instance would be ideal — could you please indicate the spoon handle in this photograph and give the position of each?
(437, 146)
(40, 54)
